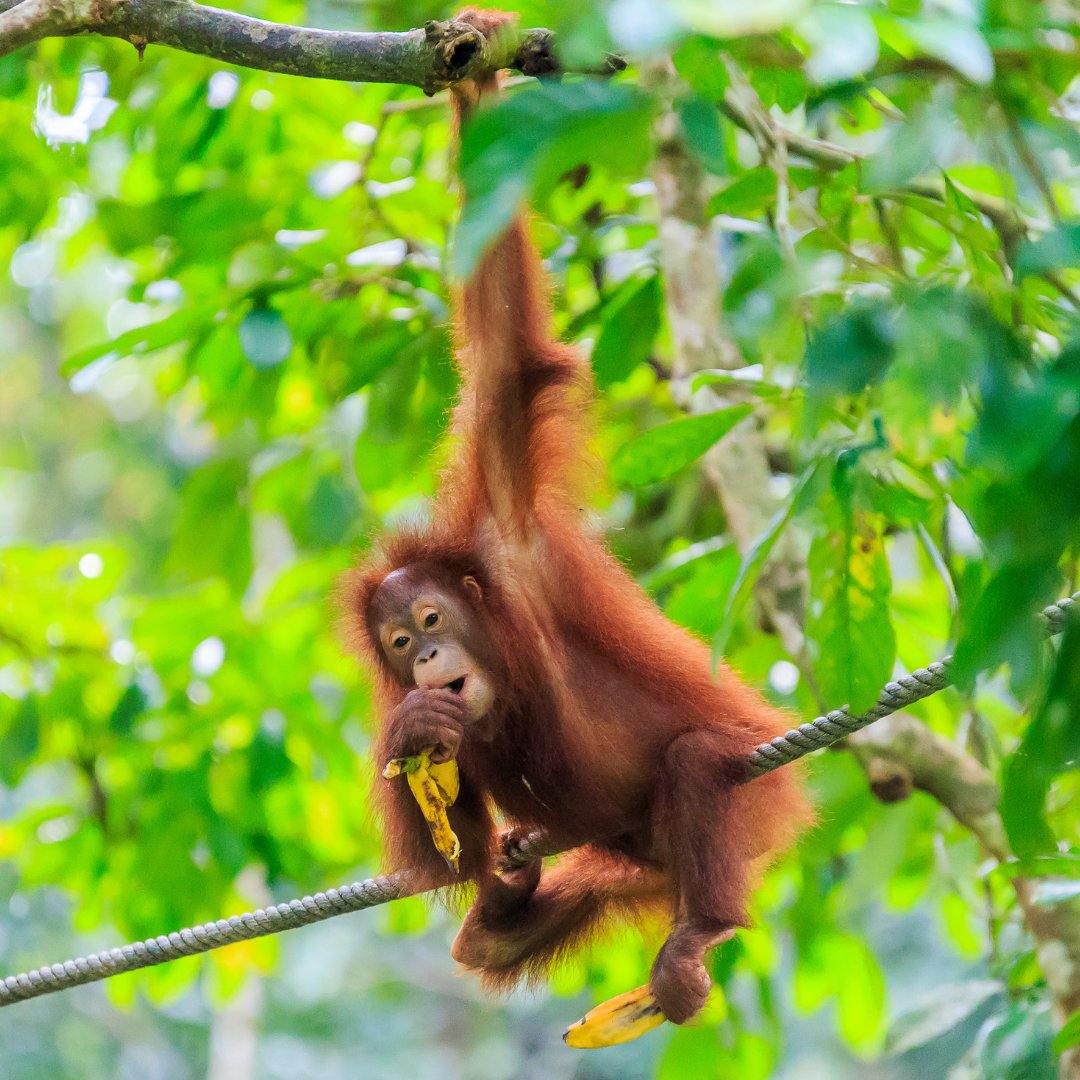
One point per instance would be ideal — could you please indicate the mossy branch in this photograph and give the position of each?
(432, 58)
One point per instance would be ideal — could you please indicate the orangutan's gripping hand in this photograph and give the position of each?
(426, 718)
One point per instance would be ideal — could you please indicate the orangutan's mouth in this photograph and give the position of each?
(456, 685)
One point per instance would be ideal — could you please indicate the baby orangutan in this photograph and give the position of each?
(506, 636)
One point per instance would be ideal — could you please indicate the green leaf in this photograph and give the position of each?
(1069, 1035)
(785, 88)
(940, 1011)
(697, 601)
(751, 193)
(1001, 627)
(701, 124)
(267, 761)
(264, 337)
(663, 451)
(943, 344)
(912, 150)
(1049, 745)
(14, 76)
(327, 513)
(1017, 1046)
(630, 325)
(179, 326)
(842, 965)
(1022, 800)
(534, 137)
(207, 225)
(699, 63)
(852, 350)
(712, 377)
(130, 226)
(19, 742)
(860, 995)
(1039, 866)
(1026, 416)
(128, 709)
(1054, 251)
(848, 620)
(692, 1052)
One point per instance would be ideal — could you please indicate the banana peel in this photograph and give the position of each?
(434, 787)
(618, 1020)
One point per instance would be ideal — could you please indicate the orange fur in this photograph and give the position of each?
(613, 730)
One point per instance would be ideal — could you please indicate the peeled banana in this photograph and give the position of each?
(618, 1020)
(434, 787)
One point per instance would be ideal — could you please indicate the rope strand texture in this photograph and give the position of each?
(824, 731)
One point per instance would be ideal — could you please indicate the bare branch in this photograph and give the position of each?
(30, 21)
(440, 54)
(939, 767)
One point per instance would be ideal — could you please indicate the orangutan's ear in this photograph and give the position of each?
(472, 588)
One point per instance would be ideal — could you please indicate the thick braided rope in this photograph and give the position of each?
(200, 939)
(819, 733)
(838, 724)
(896, 695)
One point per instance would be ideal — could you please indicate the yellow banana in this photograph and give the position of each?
(434, 787)
(618, 1020)
(449, 780)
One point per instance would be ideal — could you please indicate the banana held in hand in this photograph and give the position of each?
(434, 787)
(618, 1020)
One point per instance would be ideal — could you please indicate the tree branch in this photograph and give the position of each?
(738, 466)
(440, 54)
(938, 766)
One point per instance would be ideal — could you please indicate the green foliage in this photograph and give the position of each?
(701, 126)
(226, 366)
(529, 141)
(1049, 746)
(1069, 1035)
(631, 322)
(940, 1012)
(753, 191)
(850, 584)
(1059, 248)
(1018, 1047)
(663, 451)
(802, 496)
(851, 351)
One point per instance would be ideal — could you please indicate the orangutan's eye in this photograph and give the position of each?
(400, 641)
(431, 620)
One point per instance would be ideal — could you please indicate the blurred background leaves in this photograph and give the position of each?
(225, 365)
